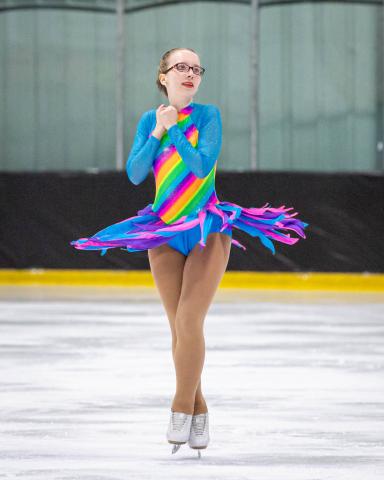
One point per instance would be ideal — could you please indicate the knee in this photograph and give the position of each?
(188, 326)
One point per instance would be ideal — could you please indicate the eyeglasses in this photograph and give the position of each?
(183, 67)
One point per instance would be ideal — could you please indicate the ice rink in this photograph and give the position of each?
(294, 383)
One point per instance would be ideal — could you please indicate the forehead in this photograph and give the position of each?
(185, 56)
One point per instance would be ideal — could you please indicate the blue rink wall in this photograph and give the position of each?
(42, 212)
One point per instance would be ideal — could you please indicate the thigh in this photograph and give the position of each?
(203, 271)
(167, 265)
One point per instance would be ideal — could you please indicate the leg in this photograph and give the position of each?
(167, 265)
(202, 274)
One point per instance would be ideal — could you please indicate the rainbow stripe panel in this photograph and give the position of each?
(179, 191)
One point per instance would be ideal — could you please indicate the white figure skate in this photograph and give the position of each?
(179, 428)
(199, 437)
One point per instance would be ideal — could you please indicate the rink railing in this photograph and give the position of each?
(329, 281)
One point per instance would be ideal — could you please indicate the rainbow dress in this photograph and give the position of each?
(184, 165)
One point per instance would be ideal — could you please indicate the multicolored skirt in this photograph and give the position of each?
(147, 230)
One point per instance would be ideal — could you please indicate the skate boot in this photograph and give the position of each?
(179, 428)
(199, 437)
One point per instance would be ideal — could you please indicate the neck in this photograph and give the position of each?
(180, 104)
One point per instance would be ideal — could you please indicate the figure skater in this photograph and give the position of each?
(187, 230)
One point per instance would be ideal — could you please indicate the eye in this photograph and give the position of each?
(183, 67)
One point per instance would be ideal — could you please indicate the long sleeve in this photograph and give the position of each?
(200, 160)
(143, 151)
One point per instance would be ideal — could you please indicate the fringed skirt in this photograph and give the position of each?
(147, 230)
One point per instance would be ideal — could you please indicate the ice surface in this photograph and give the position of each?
(293, 382)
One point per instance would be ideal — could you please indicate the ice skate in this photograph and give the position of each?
(199, 436)
(179, 428)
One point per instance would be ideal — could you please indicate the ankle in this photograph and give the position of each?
(182, 407)
(200, 407)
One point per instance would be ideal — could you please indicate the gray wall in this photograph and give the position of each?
(318, 98)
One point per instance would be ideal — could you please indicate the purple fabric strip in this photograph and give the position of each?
(147, 230)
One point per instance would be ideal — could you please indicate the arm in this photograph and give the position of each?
(142, 153)
(200, 160)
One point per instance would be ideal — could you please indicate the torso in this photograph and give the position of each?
(180, 192)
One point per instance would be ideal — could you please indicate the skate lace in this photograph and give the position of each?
(178, 421)
(198, 424)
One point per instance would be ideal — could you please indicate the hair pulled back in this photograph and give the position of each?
(163, 66)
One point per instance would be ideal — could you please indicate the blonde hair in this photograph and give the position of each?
(163, 66)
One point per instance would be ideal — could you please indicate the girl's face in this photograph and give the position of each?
(173, 79)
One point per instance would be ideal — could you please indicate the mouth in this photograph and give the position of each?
(188, 84)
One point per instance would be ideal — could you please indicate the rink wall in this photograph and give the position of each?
(42, 212)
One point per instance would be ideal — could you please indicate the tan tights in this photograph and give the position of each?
(187, 286)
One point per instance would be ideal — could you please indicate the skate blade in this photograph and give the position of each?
(176, 447)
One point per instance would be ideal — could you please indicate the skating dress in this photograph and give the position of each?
(186, 207)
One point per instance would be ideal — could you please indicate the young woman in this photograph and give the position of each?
(187, 230)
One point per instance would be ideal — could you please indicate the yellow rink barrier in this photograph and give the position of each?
(359, 282)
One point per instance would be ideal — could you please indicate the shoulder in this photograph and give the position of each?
(211, 107)
(146, 120)
(210, 112)
(147, 115)
(207, 108)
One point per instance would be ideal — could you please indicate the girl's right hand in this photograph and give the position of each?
(159, 125)
(159, 130)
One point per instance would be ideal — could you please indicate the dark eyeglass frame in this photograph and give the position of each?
(201, 69)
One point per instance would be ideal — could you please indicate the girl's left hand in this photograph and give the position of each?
(168, 116)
